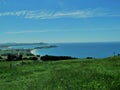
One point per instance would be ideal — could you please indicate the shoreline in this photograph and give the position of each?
(33, 51)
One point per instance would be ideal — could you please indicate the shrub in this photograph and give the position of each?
(11, 57)
(38, 55)
(25, 58)
(118, 54)
(55, 58)
(89, 57)
(1, 57)
(20, 57)
(29, 54)
(33, 58)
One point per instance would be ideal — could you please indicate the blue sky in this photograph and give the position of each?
(59, 21)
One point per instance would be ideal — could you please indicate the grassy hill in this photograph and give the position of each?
(78, 74)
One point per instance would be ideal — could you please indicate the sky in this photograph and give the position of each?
(29, 21)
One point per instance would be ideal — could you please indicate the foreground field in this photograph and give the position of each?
(80, 74)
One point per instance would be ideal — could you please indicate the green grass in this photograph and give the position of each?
(81, 74)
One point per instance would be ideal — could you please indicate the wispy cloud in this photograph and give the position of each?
(33, 31)
(17, 13)
(67, 30)
(44, 14)
(64, 14)
(21, 32)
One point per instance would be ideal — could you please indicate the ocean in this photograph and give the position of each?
(79, 50)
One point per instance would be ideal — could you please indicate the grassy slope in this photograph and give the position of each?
(62, 75)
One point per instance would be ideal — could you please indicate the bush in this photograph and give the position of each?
(1, 57)
(89, 57)
(118, 54)
(29, 54)
(20, 57)
(55, 58)
(25, 58)
(11, 57)
(33, 58)
(38, 55)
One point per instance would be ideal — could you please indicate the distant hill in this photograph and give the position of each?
(20, 44)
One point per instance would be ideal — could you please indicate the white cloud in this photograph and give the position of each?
(43, 14)
(17, 13)
(27, 31)
(64, 14)
(67, 30)
(33, 31)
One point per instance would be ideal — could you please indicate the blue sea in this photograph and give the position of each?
(80, 50)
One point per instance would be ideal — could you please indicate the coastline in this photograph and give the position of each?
(33, 52)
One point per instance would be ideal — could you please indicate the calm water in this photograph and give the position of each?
(26, 46)
(80, 50)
